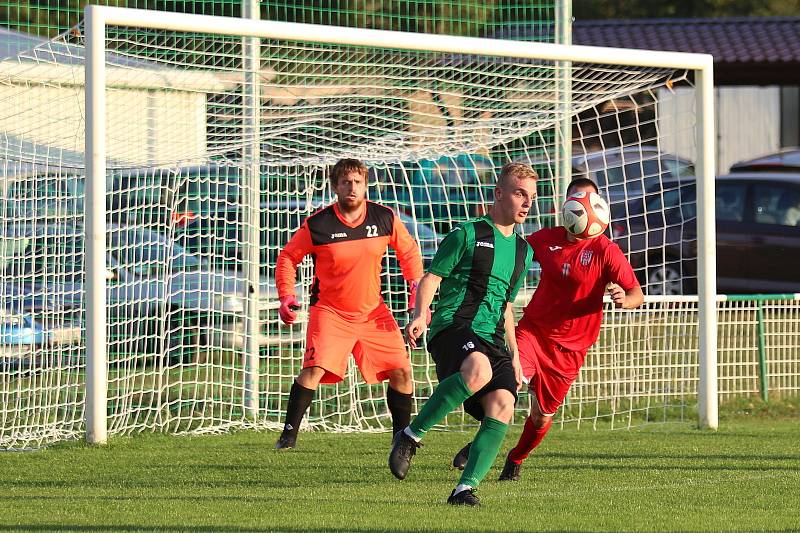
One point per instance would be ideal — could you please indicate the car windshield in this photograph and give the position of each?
(147, 253)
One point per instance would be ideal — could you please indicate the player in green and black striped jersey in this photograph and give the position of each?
(481, 270)
(478, 270)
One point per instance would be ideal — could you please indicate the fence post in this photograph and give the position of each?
(762, 355)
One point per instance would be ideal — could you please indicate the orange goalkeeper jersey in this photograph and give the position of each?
(347, 258)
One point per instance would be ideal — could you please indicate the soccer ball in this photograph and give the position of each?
(586, 215)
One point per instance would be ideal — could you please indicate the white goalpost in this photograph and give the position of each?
(160, 161)
(98, 18)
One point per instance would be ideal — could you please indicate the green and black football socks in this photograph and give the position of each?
(448, 395)
(483, 451)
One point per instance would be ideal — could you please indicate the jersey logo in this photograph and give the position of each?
(565, 270)
(484, 244)
(327, 228)
(586, 257)
(554, 248)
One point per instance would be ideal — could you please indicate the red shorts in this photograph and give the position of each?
(549, 368)
(376, 344)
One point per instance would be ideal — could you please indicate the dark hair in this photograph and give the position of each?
(515, 170)
(343, 167)
(581, 182)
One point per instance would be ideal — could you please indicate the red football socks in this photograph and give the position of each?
(530, 439)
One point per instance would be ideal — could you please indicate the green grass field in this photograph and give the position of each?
(744, 477)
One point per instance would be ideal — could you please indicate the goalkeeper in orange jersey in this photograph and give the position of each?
(347, 314)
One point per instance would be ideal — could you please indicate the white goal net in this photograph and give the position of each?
(434, 129)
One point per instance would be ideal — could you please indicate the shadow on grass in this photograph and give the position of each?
(656, 457)
(222, 529)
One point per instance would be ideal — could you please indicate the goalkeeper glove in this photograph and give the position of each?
(287, 310)
(412, 303)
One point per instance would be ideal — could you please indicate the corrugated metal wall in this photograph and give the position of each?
(748, 123)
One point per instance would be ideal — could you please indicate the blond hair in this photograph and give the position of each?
(519, 171)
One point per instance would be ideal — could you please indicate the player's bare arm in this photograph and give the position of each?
(511, 342)
(426, 289)
(622, 299)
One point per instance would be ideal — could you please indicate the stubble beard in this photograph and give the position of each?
(347, 205)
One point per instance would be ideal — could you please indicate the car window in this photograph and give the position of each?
(135, 195)
(211, 191)
(676, 203)
(12, 321)
(678, 168)
(438, 192)
(776, 204)
(43, 195)
(612, 183)
(666, 199)
(729, 203)
(55, 255)
(424, 234)
(11, 249)
(289, 180)
(634, 171)
(630, 180)
(152, 196)
(688, 201)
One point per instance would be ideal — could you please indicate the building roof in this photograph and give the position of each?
(759, 51)
(746, 50)
(33, 59)
(17, 44)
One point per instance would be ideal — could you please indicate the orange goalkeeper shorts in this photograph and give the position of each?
(376, 344)
(549, 368)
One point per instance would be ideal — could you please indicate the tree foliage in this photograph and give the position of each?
(631, 9)
(453, 17)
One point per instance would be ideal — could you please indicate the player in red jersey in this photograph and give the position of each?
(347, 314)
(562, 321)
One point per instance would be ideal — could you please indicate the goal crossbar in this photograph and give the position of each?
(317, 33)
(98, 18)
